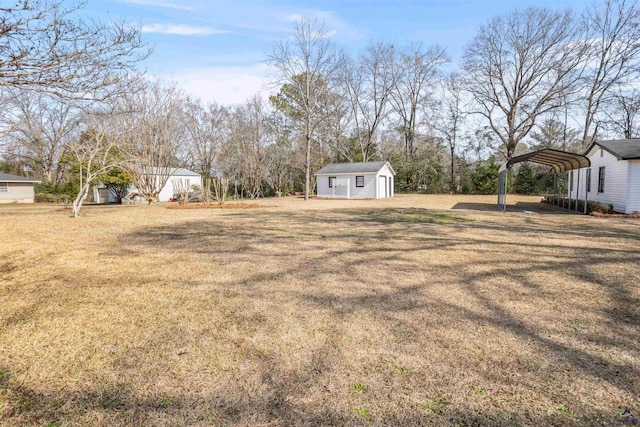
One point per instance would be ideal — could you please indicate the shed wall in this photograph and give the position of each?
(366, 192)
(389, 182)
(168, 190)
(18, 192)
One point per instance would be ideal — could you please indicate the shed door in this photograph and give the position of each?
(382, 187)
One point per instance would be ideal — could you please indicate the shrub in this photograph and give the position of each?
(484, 179)
(525, 182)
(592, 206)
(52, 198)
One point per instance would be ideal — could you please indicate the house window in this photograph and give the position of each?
(332, 180)
(588, 180)
(601, 152)
(601, 180)
(4, 187)
(571, 183)
(359, 181)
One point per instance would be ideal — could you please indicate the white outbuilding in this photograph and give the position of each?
(363, 180)
(614, 175)
(178, 176)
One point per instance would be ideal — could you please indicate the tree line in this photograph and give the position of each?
(77, 112)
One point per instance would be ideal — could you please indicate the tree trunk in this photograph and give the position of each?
(77, 202)
(453, 176)
(307, 169)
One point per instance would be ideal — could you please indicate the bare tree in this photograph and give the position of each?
(151, 132)
(307, 63)
(46, 46)
(623, 113)
(95, 153)
(37, 129)
(244, 155)
(207, 129)
(368, 83)
(279, 153)
(182, 189)
(612, 39)
(416, 72)
(519, 67)
(220, 189)
(555, 134)
(451, 117)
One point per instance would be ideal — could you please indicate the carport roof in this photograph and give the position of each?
(560, 161)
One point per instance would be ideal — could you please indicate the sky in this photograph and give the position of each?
(216, 50)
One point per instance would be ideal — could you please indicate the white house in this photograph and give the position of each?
(614, 176)
(102, 195)
(364, 180)
(16, 189)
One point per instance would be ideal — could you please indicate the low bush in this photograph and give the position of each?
(52, 198)
(592, 206)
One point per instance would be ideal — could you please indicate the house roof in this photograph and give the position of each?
(560, 161)
(348, 168)
(184, 172)
(178, 172)
(622, 149)
(7, 177)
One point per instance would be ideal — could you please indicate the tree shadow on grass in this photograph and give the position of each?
(282, 403)
(338, 243)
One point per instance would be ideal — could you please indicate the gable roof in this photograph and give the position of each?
(347, 168)
(176, 172)
(622, 149)
(7, 177)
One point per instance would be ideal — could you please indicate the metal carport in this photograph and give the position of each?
(560, 161)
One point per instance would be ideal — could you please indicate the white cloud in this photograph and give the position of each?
(334, 26)
(160, 3)
(224, 85)
(182, 30)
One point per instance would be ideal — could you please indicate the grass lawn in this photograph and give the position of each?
(421, 310)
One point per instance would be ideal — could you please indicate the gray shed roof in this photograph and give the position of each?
(7, 177)
(346, 168)
(623, 149)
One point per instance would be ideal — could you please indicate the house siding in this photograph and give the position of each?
(18, 192)
(615, 180)
(633, 194)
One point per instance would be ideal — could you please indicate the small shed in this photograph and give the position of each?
(614, 175)
(16, 189)
(363, 180)
(192, 179)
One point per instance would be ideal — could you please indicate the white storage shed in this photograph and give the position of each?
(363, 180)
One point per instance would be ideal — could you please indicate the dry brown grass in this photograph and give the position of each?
(215, 206)
(391, 312)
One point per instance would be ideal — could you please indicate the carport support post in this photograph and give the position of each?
(577, 190)
(566, 189)
(586, 193)
(555, 188)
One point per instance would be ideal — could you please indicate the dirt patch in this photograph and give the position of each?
(216, 206)
(616, 215)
